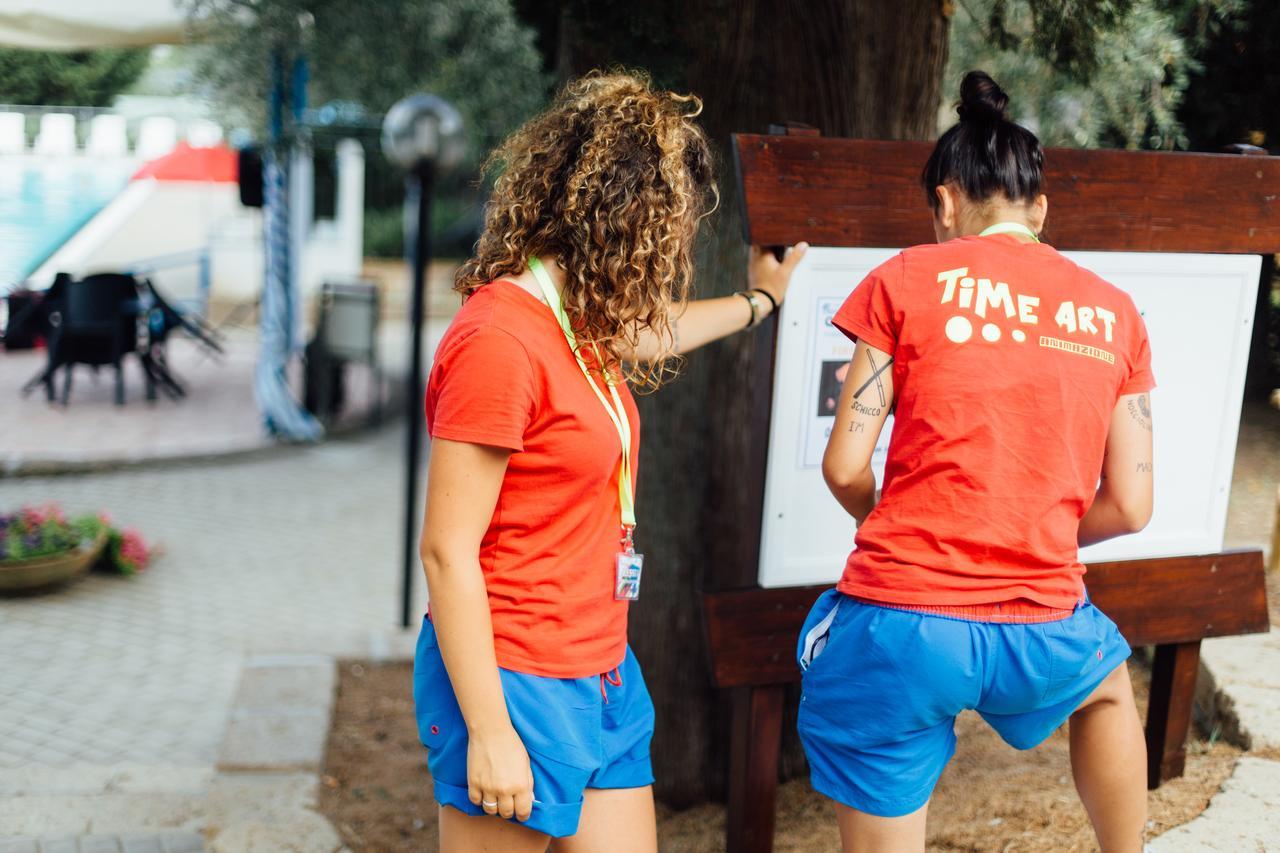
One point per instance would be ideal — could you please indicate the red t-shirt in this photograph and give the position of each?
(504, 376)
(1008, 362)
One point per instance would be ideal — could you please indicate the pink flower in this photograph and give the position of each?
(133, 550)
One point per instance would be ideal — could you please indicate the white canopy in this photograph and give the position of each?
(88, 24)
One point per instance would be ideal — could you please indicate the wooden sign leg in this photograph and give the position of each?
(755, 742)
(1173, 688)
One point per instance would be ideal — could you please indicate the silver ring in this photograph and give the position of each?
(488, 805)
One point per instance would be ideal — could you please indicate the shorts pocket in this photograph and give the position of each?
(1084, 648)
(435, 705)
(815, 635)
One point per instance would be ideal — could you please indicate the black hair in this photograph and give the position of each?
(985, 154)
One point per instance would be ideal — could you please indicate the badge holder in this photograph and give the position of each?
(629, 567)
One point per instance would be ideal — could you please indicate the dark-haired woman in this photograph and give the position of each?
(532, 707)
(1019, 381)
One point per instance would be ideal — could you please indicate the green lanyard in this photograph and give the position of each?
(1010, 228)
(617, 412)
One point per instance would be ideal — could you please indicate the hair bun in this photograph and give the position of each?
(981, 98)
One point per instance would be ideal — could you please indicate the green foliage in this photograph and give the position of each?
(1233, 98)
(472, 52)
(83, 79)
(44, 531)
(1063, 33)
(1102, 73)
(384, 232)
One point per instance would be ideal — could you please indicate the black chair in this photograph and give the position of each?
(37, 319)
(346, 332)
(161, 319)
(96, 324)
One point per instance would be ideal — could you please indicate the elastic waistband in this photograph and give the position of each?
(1020, 611)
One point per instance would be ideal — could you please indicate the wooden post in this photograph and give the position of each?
(1173, 687)
(1274, 563)
(755, 741)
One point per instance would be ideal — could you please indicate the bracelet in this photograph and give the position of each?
(773, 303)
(755, 307)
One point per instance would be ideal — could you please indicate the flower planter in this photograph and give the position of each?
(40, 573)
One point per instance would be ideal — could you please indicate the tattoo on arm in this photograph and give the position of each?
(871, 411)
(1140, 411)
(1144, 467)
(876, 370)
(858, 425)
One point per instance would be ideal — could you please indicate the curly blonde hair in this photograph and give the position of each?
(611, 181)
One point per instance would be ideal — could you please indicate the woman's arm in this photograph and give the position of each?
(1124, 500)
(463, 482)
(865, 401)
(705, 320)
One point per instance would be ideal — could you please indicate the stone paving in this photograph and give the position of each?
(134, 842)
(123, 686)
(117, 695)
(217, 418)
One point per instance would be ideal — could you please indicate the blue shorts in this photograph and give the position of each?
(580, 733)
(882, 688)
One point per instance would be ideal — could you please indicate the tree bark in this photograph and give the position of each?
(868, 69)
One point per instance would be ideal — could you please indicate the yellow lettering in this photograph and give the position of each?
(1108, 321)
(949, 278)
(1086, 320)
(994, 296)
(1066, 316)
(1027, 308)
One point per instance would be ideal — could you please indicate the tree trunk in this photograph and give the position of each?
(869, 69)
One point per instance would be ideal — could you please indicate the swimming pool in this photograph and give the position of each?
(44, 201)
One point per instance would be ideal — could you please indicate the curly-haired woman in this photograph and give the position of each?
(530, 704)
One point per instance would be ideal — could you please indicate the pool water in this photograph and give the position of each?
(44, 201)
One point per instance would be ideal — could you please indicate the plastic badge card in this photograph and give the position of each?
(627, 580)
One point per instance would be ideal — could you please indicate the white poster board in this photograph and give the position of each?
(1199, 315)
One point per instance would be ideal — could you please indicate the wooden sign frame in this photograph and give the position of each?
(796, 185)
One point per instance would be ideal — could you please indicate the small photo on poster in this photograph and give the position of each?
(830, 382)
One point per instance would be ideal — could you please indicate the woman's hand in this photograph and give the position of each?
(765, 272)
(498, 776)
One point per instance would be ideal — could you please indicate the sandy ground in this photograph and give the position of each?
(377, 792)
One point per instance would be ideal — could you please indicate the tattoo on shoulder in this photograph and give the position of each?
(1140, 411)
(876, 370)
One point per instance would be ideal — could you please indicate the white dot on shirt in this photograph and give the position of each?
(959, 329)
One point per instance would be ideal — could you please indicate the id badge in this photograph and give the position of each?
(627, 580)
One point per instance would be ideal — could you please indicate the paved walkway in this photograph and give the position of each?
(116, 685)
(116, 694)
(218, 417)
(1246, 670)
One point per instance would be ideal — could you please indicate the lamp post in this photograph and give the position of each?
(421, 134)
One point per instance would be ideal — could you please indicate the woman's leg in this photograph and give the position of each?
(866, 833)
(614, 820)
(1109, 763)
(463, 833)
